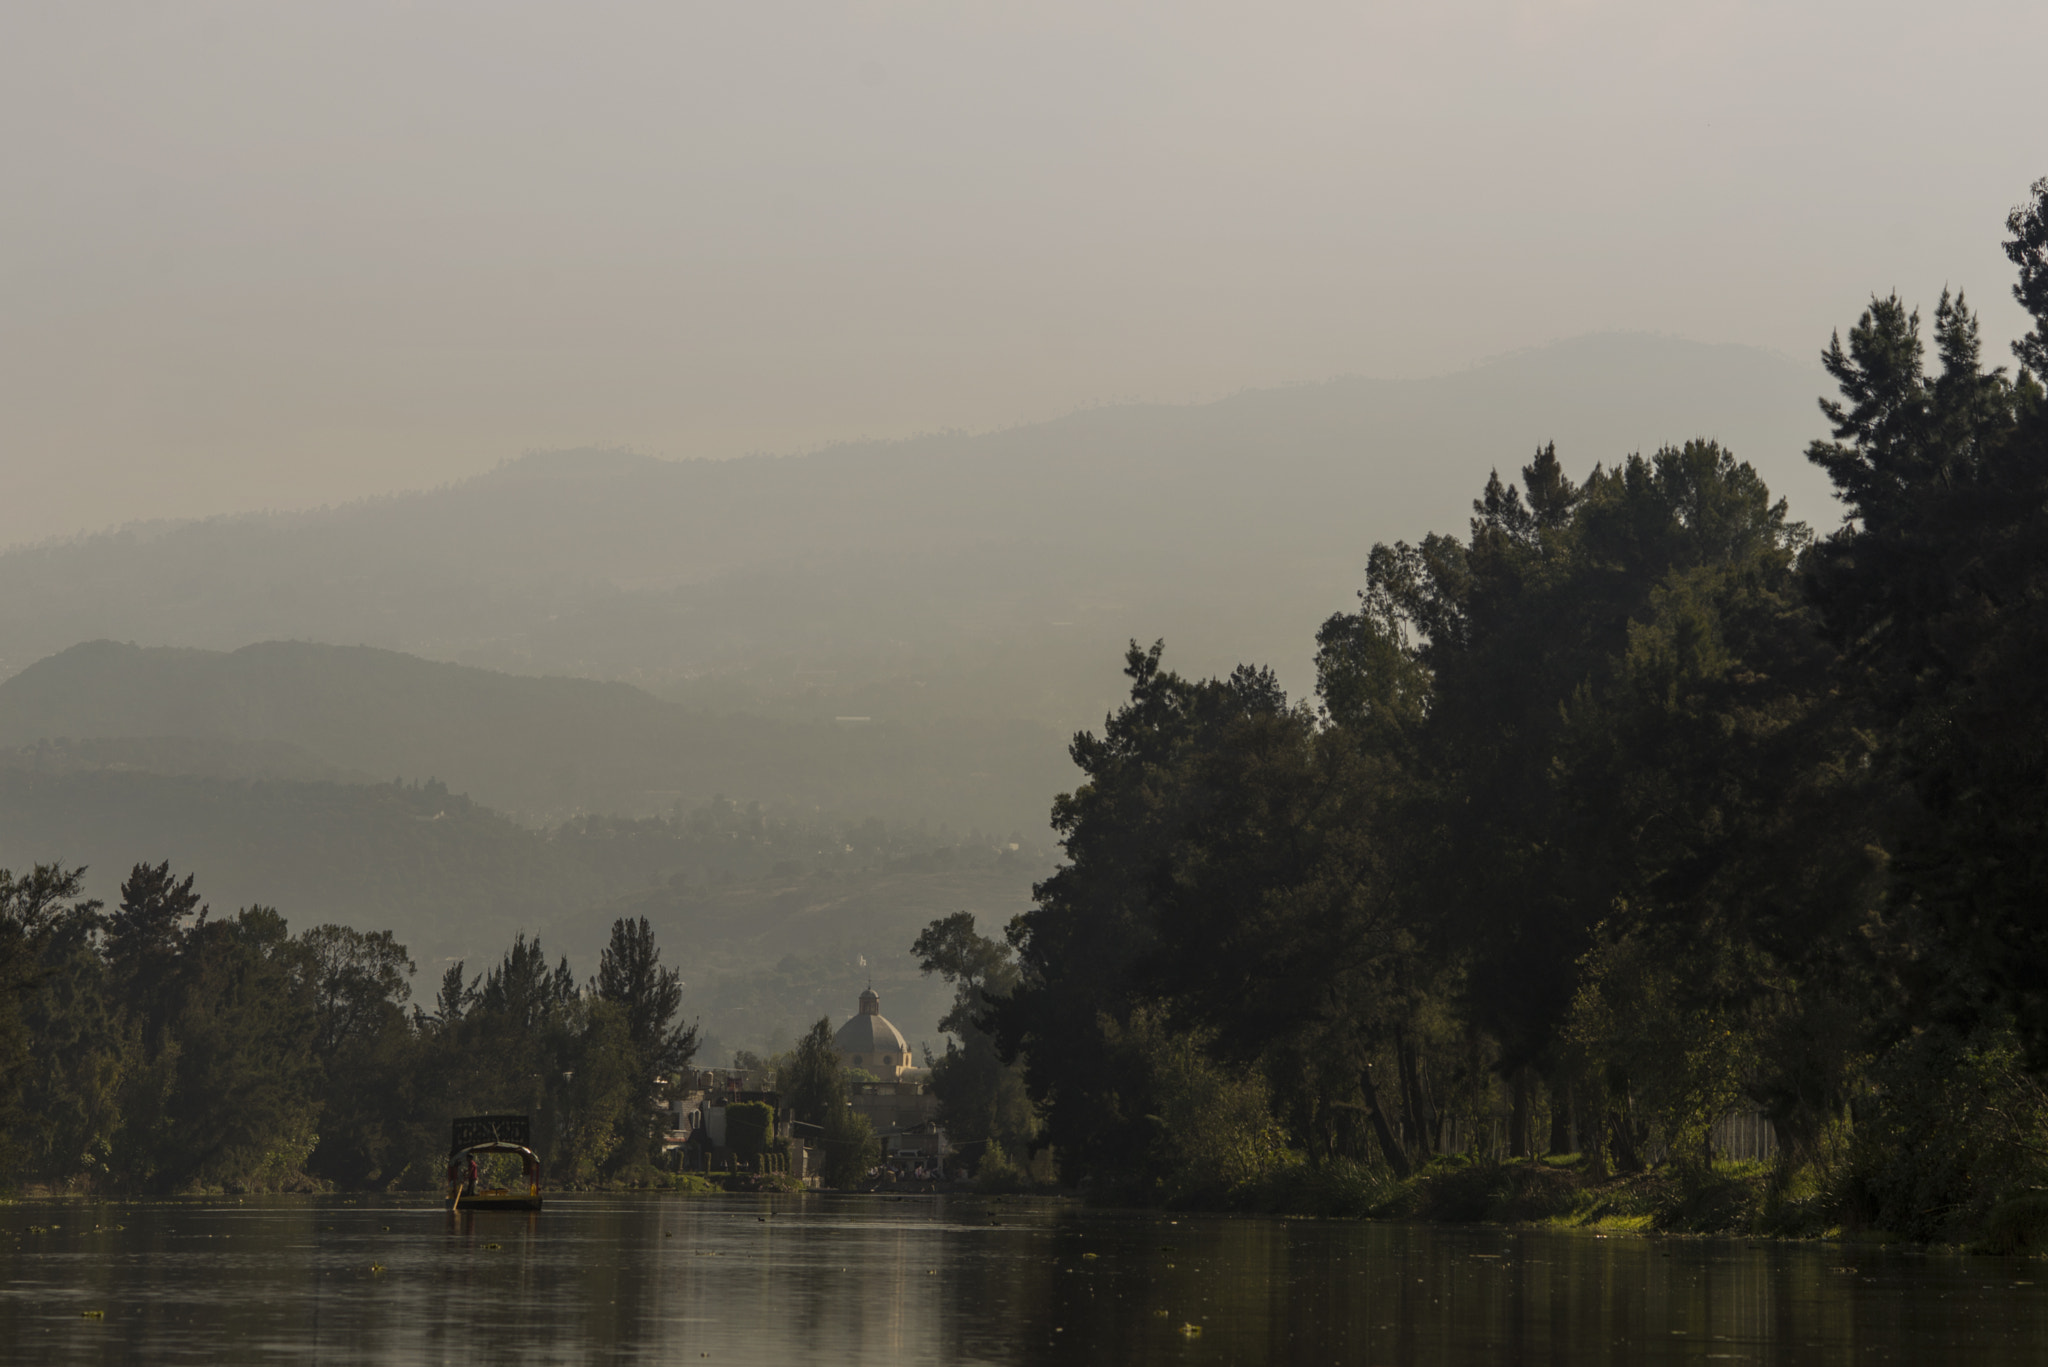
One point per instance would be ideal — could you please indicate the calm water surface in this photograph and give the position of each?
(867, 1280)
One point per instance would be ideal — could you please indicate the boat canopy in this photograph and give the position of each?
(484, 1132)
(496, 1146)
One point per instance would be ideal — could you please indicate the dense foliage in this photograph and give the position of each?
(1635, 806)
(813, 1084)
(983, 1104)
(156, 1047)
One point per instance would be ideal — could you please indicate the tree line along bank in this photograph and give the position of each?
(1635, 805)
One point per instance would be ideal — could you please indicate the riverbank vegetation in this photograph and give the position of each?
(156, 1047)
(1636, 806)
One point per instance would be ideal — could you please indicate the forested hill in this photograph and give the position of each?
(734, 888)
(989, 575)
(538, 748)
(419, 860)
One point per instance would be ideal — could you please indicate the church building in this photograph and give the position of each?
(899, 1103)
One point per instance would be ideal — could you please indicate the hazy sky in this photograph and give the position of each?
(263, 254)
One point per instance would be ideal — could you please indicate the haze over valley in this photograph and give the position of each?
(992, 575)
(902, 634)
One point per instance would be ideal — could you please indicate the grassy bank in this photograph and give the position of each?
(1743, 1199)
(1732, 1198)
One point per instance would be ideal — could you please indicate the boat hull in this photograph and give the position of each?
(494, 1203)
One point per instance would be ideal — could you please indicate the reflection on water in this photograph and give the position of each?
(867, 1280)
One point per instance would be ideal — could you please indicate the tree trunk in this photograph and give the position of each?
(1518, 1121)
(1592, 1123)
(1389, 1145)
(1561, 1119)
(1622, 1122)
(1421, 1117)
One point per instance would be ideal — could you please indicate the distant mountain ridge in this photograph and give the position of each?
(990, 575)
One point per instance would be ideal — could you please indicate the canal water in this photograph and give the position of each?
(871, 1280)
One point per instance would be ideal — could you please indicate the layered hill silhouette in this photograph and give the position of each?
(540, 749)
(993, 575)
(438, 869)
(511, 703)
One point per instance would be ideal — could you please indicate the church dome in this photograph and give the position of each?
(869, 1035)
(869, 1038)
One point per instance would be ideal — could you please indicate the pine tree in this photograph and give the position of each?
(629, 974)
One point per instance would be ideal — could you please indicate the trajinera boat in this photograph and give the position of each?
(480, 1163)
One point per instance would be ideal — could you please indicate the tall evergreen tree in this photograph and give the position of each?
(146, 934)
(522, 993)
(646, 996)
(630, 975)
(2027, 248)
(1933, 591)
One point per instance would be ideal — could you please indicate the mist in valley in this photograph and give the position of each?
(906, 632)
